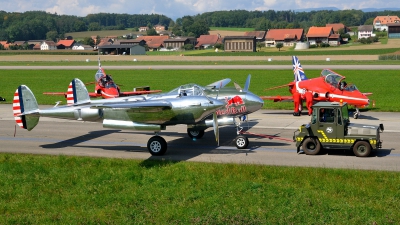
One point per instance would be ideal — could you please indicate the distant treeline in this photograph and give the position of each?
(34, 25)
(264, 20)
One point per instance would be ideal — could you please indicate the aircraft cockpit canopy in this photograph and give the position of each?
(334, 78)
(188, 90)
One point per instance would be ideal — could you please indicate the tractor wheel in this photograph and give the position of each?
(362, 149)
(311, 146)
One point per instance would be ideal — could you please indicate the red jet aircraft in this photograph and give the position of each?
(330, 86)
(106, 88)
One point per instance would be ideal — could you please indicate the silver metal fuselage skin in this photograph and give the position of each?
(181, 110)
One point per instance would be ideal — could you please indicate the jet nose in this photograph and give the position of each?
(254, 102)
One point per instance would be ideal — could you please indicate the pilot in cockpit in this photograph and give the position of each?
(183, 93)
(343, 85)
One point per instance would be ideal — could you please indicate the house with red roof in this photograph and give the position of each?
(318, 35)
(4, 44)
(260, 35)
(154, 42)
(286, 36)
(65, 44)
(380, 22)
(337, 26)
(205, 41)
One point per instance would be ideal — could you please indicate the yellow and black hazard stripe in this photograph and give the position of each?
(325, 139)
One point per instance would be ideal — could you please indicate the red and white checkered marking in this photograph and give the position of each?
(70, 95)
(17, 109)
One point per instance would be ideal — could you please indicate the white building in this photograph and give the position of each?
(48, 45)
(365, 31)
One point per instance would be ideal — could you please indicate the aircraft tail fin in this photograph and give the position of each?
(25, 108)
(298, 71)
(77, 93)
(247, 84)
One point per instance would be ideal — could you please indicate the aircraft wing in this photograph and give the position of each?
(219, 84)
(129, 93)
(142, 106)
(278, 98)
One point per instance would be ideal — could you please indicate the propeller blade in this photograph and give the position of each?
(216, 128)
(237, 86)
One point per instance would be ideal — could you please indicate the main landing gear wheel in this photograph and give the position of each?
(157, 145)
(241, 142)
(362, 149)
(355, 116)
(311, 146)
(195, 133)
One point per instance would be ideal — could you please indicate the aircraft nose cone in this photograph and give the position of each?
(254, 102)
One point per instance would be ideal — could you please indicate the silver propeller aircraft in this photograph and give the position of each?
(197, 107)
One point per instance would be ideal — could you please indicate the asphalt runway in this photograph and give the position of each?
(64, 137)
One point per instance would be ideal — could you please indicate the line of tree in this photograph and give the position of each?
(38, 25)
(264, 20)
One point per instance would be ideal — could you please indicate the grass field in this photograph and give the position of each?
(82, 190)
(379, 82)
(210, 62)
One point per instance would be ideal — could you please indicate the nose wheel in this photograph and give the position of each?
(356, 114)
(241, 142)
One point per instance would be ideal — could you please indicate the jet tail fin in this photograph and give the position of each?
(25, 108)
(298, 71)
(77, 93)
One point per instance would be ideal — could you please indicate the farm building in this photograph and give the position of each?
(393, 30)
(240, 44)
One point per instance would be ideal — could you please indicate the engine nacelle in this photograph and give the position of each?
(221, 121)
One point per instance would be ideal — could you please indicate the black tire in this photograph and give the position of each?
(311, 146)
(362, 149)
(157, 146)
(241, 142)
(195, 133)
(355, 116)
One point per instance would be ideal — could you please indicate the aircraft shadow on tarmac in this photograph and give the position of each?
(80, 139)
(180, 149)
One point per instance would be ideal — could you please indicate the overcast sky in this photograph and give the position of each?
(179, 8)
